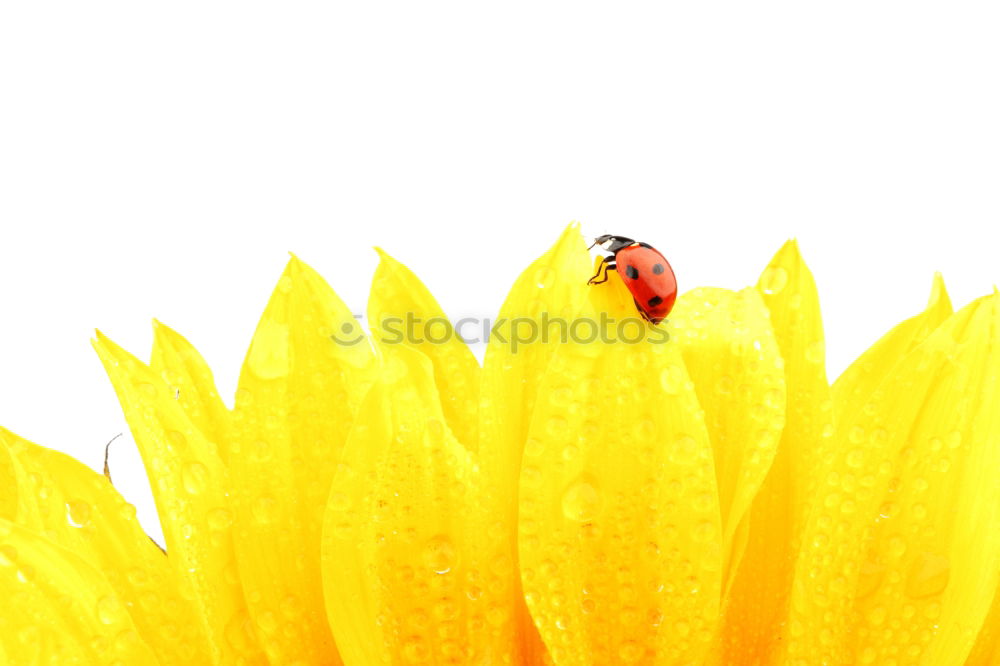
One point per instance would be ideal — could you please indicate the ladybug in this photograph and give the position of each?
(644, 271)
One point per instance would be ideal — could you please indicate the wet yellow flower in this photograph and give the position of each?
(707, 499)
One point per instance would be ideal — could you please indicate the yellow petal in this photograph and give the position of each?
(986, 651)
(733, 359)
(517, 354)
(402, 311)
(851, 388)
(409, 571)
(192, 493)
(66, 612)
(79, 510)
(620, 536)
(180, 365)
(304, 377)
(900, 553)
(9, 483)
(548, 291)
(756, 610)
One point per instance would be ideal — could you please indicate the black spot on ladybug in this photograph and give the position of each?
(655, 300)
(657, 269)
(632, 272)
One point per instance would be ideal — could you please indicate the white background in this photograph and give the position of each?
(159, 159)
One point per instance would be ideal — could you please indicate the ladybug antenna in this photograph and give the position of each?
(600, 240)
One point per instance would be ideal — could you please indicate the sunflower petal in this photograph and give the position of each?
(547, 292)
(620, 535)
(190, 379)
(80, 511)
(906, 532)
(304, 377)
(851, 388)
(757, 606)
(733, 359)
(408, 578)
(986, 651)
(67, 612)
(191, 489)
(401, 310)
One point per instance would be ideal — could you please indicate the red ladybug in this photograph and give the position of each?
(644, 271)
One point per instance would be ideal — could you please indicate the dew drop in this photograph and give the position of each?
(928, 575)
(704, 531)
(219, 519)
(556, 427)
(684, 450)
(543, 276)
(415, 651)
(439, 554)
(268, 357)
(267, 622)
(582, 500)
(534, 447)
(78, 513)
(109, 610)
(856, 458)
(194, 476)
(774, 279)
(671, 379)
(239, 633)
(896, 546)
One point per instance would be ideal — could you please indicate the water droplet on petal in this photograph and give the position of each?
(440, 554)
(671, 379)
(269, 353)
(219, 519)
(774, 279)
(684, 450)
(928, 575)
(194, 476)
(78, 513)
(582, 500)
(109, 610)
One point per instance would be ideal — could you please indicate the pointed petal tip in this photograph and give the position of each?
(294, 264)
(791, 246)
(939, 293)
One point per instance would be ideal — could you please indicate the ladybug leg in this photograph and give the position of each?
(609, 263)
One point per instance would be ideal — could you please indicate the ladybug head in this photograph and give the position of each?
(612, 243)
(601, 240)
